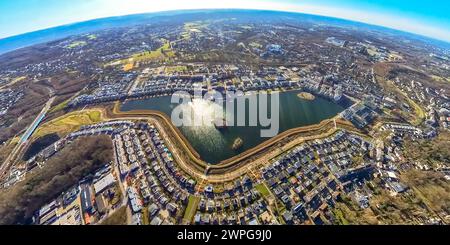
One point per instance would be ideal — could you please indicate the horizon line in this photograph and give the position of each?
(227, 9)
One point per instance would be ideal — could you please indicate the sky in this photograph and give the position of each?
(426, 17)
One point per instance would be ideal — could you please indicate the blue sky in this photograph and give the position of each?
(429, 18)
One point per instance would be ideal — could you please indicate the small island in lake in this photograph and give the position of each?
(238, 143)
(306, 96)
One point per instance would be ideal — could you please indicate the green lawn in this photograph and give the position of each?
(164, 52)
(262, 189)
(76, 44)
(60, 106)
(92, 37)
(68, 123)
(172, 69)
(191, 208)
(340, 217)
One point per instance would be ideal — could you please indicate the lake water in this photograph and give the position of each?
(215, 145)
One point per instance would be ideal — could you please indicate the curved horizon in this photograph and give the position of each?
(181, 11)
(347, 10)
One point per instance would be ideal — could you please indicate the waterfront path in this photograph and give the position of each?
(189, 160)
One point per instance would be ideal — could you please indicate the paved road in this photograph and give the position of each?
(25, 137)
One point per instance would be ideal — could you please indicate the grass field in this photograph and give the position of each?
(163, 53)
(340, 217)
(193, 27)
(420, 114)
(76, 44)
(92, 37)
(173, 69)
(191, 208)
(60, 106)
(13, 81)
(262, 189)
(255, 45)
(68, 123)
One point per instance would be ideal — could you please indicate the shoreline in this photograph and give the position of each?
(306, 129)
(347, 102)
(232, 167)
(191, 162)
(118, 109)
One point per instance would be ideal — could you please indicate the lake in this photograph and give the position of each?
(215, 145)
